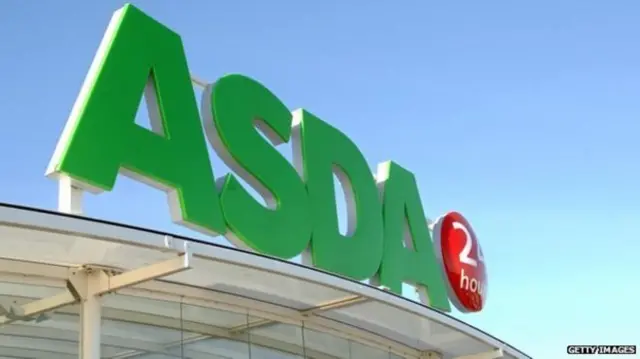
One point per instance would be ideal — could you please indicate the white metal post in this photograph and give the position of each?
(69, 196)
(90, 316)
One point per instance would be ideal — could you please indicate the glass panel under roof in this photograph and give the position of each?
(258, 284)
(408, 328)
(53, 335)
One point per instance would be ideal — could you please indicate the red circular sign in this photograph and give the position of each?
(464, 269)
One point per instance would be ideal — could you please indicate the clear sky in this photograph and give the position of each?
(524, 116)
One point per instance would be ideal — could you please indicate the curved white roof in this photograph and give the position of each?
(228, 297)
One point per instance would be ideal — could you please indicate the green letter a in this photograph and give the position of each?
(101, 137)
(408, 251)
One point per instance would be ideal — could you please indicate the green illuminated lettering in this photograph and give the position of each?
(101, 136)
(232, 110)
(408, 251)
(387, 239)
(320, 151)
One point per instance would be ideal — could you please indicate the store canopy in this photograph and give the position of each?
(167, 296)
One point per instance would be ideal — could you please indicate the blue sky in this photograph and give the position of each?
(523, 116)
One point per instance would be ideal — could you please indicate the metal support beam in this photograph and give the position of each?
(494, 354)
(334, 304)
(36, 308)
(154, 271)
(86, 286)
(99, 283)
(430, 224)
(330, 305)
(430, 354)
(198, 82)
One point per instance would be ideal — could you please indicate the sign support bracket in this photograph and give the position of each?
(69, 196)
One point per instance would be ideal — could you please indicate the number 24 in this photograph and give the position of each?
(466, 250)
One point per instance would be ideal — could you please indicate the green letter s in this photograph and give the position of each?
(232, 109)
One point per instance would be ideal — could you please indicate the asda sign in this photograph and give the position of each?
(388, 240)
